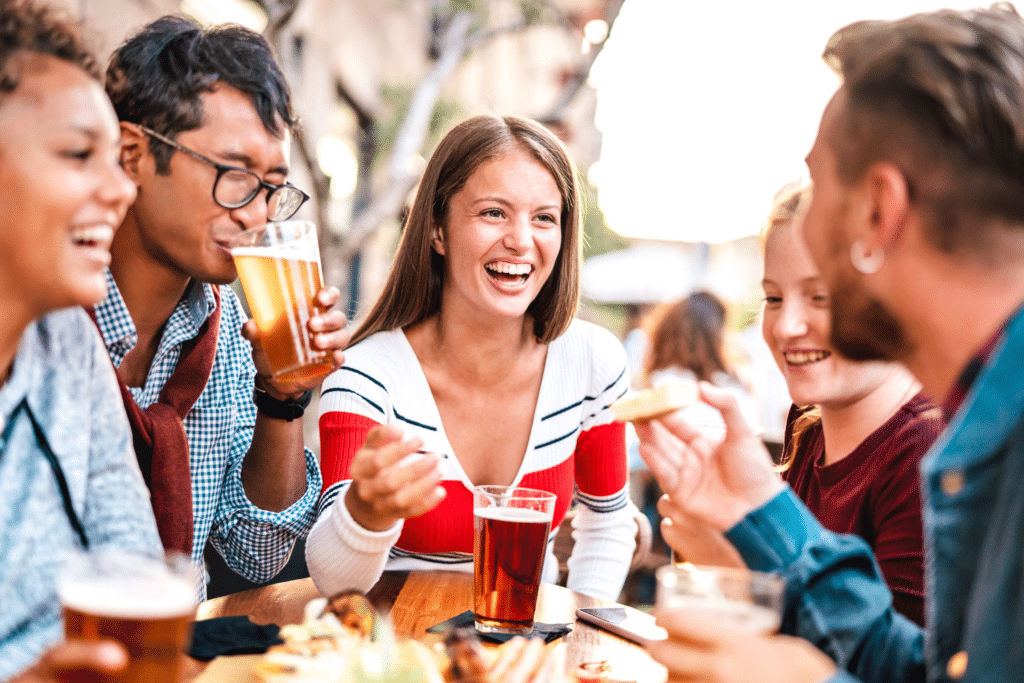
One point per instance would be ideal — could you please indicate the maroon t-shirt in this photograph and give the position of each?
(874, 492)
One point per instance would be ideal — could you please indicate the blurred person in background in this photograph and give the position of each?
(917, 225)
(68, 476)
(688, 343)
(470, 369)
(205, 137)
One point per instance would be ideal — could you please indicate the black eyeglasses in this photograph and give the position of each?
(235, 186)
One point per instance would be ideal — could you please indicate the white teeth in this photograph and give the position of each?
(510, 268)
(804, 357)
(94, 233)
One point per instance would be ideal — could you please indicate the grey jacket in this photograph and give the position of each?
(64, 377)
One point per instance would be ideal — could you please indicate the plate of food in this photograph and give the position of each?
(344, 640)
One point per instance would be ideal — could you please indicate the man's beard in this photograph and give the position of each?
(863, 329)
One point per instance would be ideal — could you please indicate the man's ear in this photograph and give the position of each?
(133, 146)
(437, 241)
(889, 194)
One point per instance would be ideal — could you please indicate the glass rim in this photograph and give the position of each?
(513, 492)
(729, 573)
(250, 236)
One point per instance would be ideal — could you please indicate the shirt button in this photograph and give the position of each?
(952, 482)
(957, 665)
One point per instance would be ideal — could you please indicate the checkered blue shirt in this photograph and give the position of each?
(255, 543)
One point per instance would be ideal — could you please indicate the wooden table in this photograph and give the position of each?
(416, 601)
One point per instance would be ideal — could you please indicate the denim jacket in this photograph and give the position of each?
(973, 497)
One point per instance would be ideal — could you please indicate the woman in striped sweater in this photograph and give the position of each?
(471, 370)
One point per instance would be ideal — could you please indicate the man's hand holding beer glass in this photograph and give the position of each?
(719, 480)
(327, 332)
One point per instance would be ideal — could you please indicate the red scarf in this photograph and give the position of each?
(159, 436)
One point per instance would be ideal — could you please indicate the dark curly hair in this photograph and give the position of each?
(30, 27)
(156, 77)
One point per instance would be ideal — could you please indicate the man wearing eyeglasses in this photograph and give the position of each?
(205, 125)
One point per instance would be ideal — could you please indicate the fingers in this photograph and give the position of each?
(728, 405)
(104, 656)
(695, 539)
(392, 479)
(328, 330)
(327, 297)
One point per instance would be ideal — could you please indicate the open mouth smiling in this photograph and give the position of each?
(93, 236)
(508, 273)
(805, 357)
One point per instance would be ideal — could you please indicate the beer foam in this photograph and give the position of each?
(288, 252)
(512, 514)
(130, 598)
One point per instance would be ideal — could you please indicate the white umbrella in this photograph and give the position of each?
(649, 272)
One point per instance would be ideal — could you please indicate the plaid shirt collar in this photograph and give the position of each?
(118, 328)
(963, 384)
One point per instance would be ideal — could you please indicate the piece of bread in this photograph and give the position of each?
(648, 404)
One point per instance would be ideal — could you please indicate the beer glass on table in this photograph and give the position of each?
(279, 268)
(145, 603)
(742, 599)
(510, 538)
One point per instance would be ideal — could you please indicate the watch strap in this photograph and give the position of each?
(281, 410)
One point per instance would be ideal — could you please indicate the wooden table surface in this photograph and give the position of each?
(416, 601)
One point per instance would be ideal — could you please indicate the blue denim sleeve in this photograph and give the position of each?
(836, 597)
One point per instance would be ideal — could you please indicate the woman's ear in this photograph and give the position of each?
(437, 241)
(132, 146)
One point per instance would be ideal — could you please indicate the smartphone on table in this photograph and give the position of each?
(629, 623)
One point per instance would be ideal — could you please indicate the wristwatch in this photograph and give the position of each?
(281, 410)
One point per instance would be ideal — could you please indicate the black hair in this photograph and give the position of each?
(156, 77)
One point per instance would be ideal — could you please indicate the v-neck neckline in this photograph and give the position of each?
(420, 378)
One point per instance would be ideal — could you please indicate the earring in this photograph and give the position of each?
(866, 260)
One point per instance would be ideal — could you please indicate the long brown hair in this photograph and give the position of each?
(689, 334)
(413, 289)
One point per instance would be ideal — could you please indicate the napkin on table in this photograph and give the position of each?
(549, 632)
(231, 636)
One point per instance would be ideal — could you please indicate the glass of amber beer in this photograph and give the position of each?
(510, 536)
(145, 603)
(742, 599)
(279, 267)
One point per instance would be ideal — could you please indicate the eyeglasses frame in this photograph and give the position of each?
(224, 168)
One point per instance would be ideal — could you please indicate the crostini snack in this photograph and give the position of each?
(648, 404)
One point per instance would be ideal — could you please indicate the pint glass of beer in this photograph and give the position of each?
(146, 603)
(279, 267)
(510, 537)
(741, 599)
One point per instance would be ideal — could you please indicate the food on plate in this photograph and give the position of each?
(344, 640)
(648, 404)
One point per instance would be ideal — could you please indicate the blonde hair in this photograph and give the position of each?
(786, 208)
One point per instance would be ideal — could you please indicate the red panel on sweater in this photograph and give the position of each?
(601, 467)
(341, 435)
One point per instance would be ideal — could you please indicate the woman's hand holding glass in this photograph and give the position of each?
(718, 478)
(392, 479)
